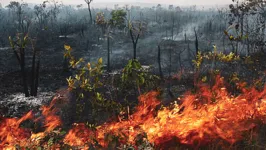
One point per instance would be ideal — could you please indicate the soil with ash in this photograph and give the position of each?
(53, 79)
(13, 103)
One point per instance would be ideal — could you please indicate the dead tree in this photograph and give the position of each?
(159, 61)
(196, 42)
(135, 35)
(19, 51)
(89, 8)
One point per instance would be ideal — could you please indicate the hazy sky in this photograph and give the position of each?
(176, 2)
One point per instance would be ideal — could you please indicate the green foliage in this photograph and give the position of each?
(19, 41)
(134, 72)
(87, 77)
(87, 82)
(137, 76)
(118, 18)
(214, 56)
(198, 61)
(221, 57)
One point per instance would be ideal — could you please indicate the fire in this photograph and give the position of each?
(79, 135)
(11, 134)
(211, 114)
(52, 121)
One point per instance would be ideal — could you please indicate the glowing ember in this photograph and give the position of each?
(212, 114)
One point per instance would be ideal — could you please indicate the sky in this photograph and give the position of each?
(175, 2)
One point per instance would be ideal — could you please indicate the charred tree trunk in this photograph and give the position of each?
(37, 78)
(34, 74)
(108, 53)
(170, 71)
(73, 107)
(32, 90)
(89, 8)
(24, 72)
(170, 62)
(135, 50)
(19, 52)
(173, 25)
(196, 74)
(159, 62)
(262, 35)
(134, 42)
(179, 60)
(196, 42)
(242, 24)
(248, 42)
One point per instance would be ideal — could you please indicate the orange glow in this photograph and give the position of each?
(211, 114)
(11, 134)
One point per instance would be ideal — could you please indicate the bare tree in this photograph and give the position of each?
(18, 10)
(89, 8)
(41, 14)
(54, 11)
(135, 33)
(256, 9)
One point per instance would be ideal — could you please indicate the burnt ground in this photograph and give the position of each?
(53, 78)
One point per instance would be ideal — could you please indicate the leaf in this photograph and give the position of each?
(72, 63)
(81, 95)
(89, 66)
(142, 80)
(71, 82)
(226, 33)
(67, 47)
(234, 77)
(204, 79)
(51, 141)
(11, 42)
(215, 48)
(39, 148)
(63, 133)
(77, 77)
(26, 38)
(100, 61)
(81, 60)
(231, 37)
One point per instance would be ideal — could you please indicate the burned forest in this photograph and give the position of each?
(132, 75)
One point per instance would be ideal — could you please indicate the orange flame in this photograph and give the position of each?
(211, 114)
(52, 121)
(11, 134)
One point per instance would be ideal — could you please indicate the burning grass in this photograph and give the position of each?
(211, 114)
